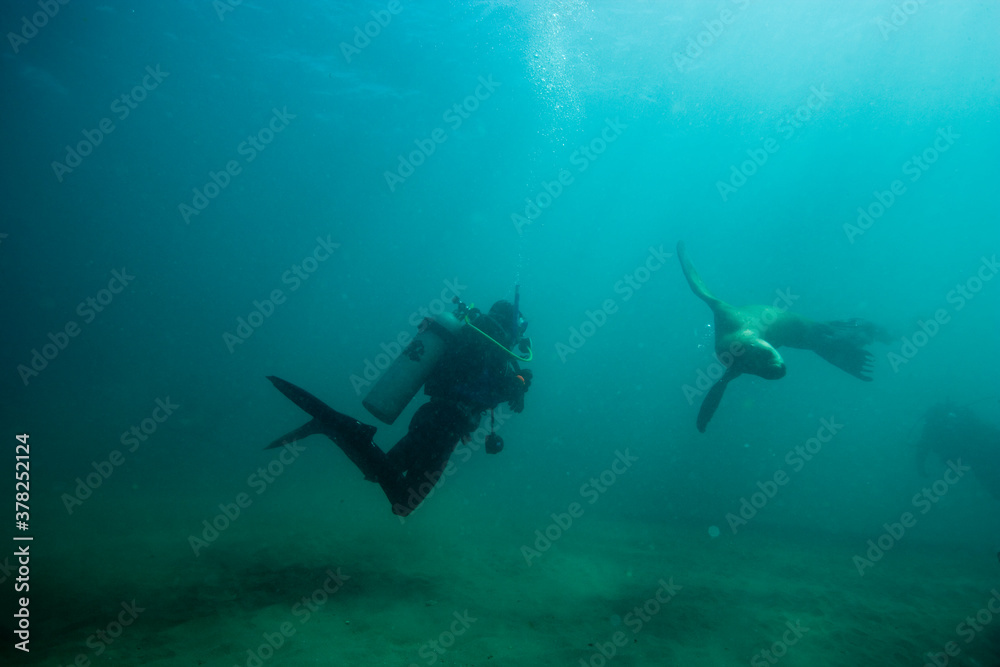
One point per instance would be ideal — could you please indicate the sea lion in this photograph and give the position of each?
(747, 338)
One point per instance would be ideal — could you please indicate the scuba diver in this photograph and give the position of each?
(952, 432)
(467, 362)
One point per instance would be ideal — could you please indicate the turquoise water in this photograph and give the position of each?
(201, 194)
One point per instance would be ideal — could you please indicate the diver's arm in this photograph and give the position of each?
(519, 382)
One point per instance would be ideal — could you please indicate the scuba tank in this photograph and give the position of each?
(408, 372)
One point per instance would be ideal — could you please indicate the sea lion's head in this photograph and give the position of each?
(761, 359)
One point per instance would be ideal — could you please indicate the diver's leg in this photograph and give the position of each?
(423, 453)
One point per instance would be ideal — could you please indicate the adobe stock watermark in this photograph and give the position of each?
(627, 287)
(87, 310)
(796, 459)
(591, 491)
(635, 620)
(963, 292)
(100, 640)
(122, 106)
(374, 367)
(259, 481)
(787, 127)
(714, 29)
(454, 116)
(132, 438)
(294, 277)
(302, 610)
(914, 168)
(423, 490)
(31, 25)
(581, 159)
(968, 630)
(6, 569)
(923, 501)
(432, 650)
(223, 7)
(248, 150)
(898, 17)
(706, 377)
(779, 649)
(363, 36)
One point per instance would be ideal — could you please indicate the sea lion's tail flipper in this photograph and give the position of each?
(842, 344)
(694, 280)
(854, 360)
(860, 331)
(713, 398)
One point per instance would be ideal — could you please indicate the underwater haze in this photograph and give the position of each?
(198, 195)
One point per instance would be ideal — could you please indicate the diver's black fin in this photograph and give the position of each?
(352, 436)
(712, 399)
(309, 428)
(313, 405)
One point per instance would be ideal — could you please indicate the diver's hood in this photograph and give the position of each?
(502, 313)
(492, 327)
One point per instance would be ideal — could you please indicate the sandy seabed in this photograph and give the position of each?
(363, 588)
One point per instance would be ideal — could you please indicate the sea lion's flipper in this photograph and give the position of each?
(842, 344)
(694, 280)
(854, 360)
(713, 398)
(858, 331)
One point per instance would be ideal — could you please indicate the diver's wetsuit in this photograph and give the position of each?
(477, 376)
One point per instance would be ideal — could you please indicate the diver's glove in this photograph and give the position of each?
(520, 386)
